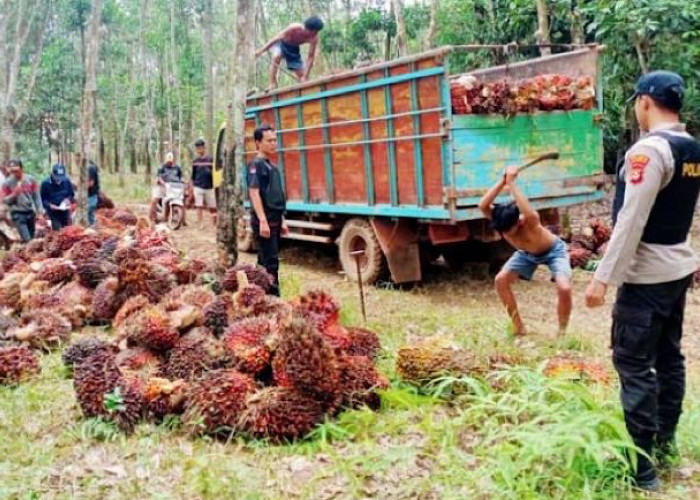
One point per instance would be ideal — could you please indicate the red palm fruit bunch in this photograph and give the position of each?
(584, 93)
(359, 381)
(76, 303)
(41, 329)
(14, 262)
(320, 306)
(188, 270)
(575, 367)
(555, 92)
(130, 307)
(140, 277)
(601, 232)
(256, 275)
(305, 361)
(102, 391)
(55, 270)
(106, 300)
(151, 328)
(280, 414)
(17, 363)
(196, 295)
(81, 349)
(363, 343)
(11, 288)
(85, 248)
(124, 216)
(163, 397)
(215, 402)
(194, 354)
(92, 271)
(579, 256)
(218, 314)
(139, 360)
(34, 249)
(58, 243)
(247, 344)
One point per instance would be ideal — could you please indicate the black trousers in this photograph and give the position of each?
(268, 251)
(646, 342)
(59, 219)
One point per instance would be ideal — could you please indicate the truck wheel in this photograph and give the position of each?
(357, 234)
(246, 241)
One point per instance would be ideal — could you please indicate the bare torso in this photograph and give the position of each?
(531, 237)
(296, 34)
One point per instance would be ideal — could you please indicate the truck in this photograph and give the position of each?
(375, 161)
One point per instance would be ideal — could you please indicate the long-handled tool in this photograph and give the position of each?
(552, 155)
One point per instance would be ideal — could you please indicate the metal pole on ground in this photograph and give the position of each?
(356, 255)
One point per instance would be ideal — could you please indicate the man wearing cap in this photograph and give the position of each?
(21, 195)
(57, 197)
(202, 181)
(168, 172)
(651, 261)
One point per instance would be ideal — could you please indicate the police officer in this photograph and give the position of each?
(269, 203)
(650, 259)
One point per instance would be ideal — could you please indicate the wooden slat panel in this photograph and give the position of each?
(380, 163)
(292, 163)
(348, 172)
(316, 175)
(403, 126)
(428, 98)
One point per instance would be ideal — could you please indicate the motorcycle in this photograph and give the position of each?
(171, 207)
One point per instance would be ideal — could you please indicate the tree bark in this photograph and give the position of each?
(207, 29)
(176, 83)
(432, 27)
(400, 27)
(542, 34)
(87, 106)
(577, 32)
(231, 196)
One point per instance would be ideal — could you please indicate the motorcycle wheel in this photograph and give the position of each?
(175, 217)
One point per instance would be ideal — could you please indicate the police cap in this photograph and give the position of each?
(664, 87)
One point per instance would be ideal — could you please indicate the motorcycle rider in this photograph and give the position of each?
(168, 172)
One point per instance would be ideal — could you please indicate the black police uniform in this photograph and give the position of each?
(266, 177)
(648, 318)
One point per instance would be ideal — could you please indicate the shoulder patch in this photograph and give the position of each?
(638, 164)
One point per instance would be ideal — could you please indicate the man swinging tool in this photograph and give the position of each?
(286, 45)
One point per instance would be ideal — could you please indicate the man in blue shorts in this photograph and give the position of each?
(535, 245)
(286, 45)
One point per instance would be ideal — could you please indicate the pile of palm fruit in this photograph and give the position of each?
(212, 348)
(588, 246)
(541, 93)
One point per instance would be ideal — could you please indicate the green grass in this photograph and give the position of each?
(517, 435)
(134, 189)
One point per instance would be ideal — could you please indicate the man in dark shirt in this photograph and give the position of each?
(268, 201)
(57, 196)
(93, 189)
(168, 172)
(202, 181)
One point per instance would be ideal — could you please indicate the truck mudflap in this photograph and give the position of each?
(399, 242)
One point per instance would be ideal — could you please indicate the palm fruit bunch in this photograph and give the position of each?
(55, 270)
(140, 277)
(280, 414)
(92, 271)
(7, 321)
(319, 307)
(14, 262)
(188, 270)
(249, 299)
(247, 344)
(215, 401)
(124, 216)
(10, 289)
(75, 303)
(218, 314)
(195, 295)
(579, 257)
(38, 294)
(182, 316)
(85, 248)
(433, 358)
(106, 300)
(81, 349)
(150, 327)
(109, 246)
(306, 362)
(363, 343)
(59, 242)
(131, 306)
(102, 391)
(139, 360)
(359, 381)
(163, 397)
(465, 91)
(573, 366)
(17, 363)
(601, 232)
(195, 353)
(255, 274)
(41, 329)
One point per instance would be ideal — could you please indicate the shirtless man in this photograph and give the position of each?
(286, 44)
(520, 225)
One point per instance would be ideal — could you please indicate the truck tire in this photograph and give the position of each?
(246, 241)
(357, 234)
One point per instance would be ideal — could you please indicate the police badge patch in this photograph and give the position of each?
(638, 163)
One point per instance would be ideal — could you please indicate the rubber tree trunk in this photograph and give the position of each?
(400, 28)
(88, 106)
(542, 34)
(432, 26)
(207, 29)
(231, 199)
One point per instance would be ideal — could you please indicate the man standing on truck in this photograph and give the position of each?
(286, 45)
(650, 258)
(268, 201)
(535, 245)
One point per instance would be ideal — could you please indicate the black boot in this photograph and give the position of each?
(645, 477)
(666, 450)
